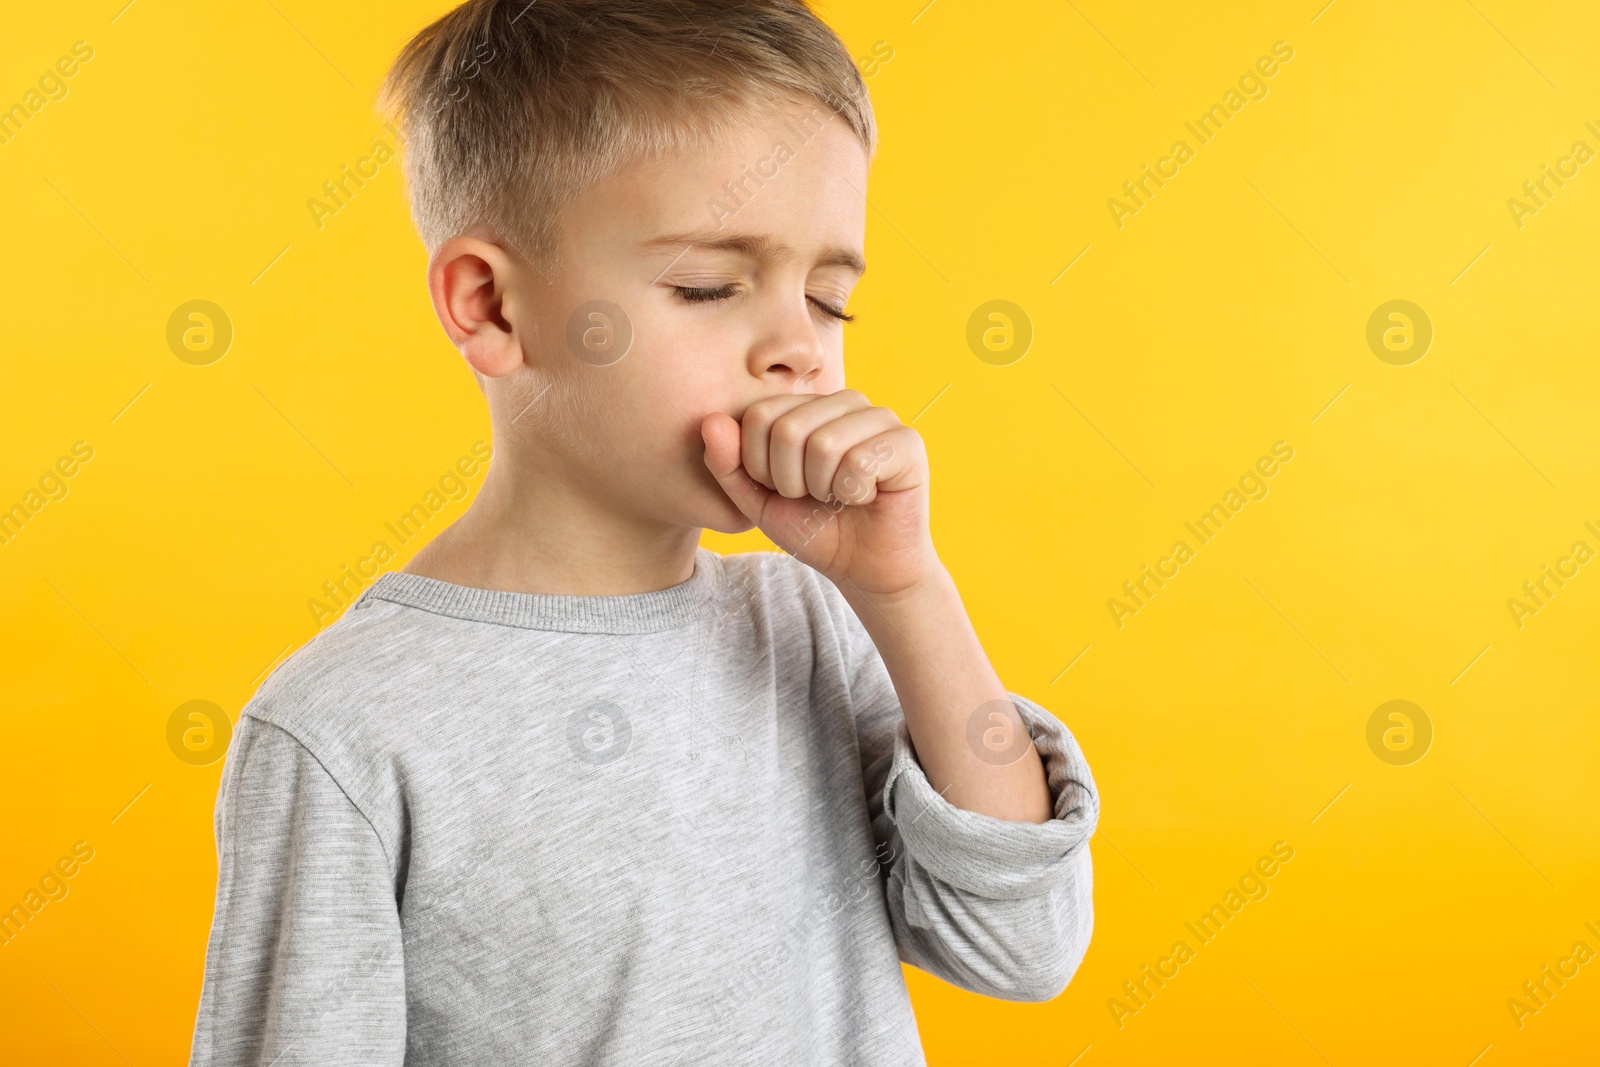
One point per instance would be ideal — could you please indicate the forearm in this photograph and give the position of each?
(945, 681)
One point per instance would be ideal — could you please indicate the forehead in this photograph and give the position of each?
(781, 186)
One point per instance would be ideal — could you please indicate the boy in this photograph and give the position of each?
(568, 788)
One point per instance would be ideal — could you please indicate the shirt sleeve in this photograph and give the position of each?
(304, 965)
(990, 905)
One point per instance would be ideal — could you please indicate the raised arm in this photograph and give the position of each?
(997, 906)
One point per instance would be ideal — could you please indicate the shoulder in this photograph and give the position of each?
(792, 598)
(358, 699)
(362, 647)
(778, 581)
(343, 695)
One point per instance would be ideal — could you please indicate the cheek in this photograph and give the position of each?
(687, 374)
(651, 413)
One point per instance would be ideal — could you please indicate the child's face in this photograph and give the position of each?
(634, 241)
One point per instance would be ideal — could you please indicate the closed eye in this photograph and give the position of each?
(829, 309)
(699, 296)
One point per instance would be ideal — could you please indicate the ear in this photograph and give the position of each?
(469, 280)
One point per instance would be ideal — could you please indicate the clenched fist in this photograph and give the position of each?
(835, 482)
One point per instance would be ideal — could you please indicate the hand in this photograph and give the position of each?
(833, 481)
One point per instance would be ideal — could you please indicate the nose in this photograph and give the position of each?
(789, 347)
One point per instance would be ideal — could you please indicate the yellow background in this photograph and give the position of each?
(1227, 314)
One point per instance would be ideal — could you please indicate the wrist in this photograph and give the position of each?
(933, 585)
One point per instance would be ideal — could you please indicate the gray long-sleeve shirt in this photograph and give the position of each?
(467, 826)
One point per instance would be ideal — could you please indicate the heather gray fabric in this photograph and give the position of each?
(466, 826)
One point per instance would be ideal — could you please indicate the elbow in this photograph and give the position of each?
(1037, 992)
(1047, 983)
(1040, 967)
(1046, 975)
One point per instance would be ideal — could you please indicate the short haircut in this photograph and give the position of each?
(509, 108)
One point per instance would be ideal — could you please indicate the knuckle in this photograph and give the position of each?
(760, 412)
(855, 460)
(787, 430)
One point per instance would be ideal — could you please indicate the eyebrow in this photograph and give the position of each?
(754, 245)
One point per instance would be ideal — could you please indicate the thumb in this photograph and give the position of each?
(720, 432)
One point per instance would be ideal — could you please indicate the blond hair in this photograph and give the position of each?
(509, 107)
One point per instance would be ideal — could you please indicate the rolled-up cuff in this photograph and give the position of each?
(992, 857)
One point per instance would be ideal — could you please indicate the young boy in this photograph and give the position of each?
(570, 789)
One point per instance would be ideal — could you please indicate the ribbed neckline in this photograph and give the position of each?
(628, 613)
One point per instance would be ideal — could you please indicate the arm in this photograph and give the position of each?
(988, 885)
(968, 737)
(999, 907)
(843, 487)
(304, 964)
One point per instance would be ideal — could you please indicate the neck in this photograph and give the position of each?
(541, 535)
